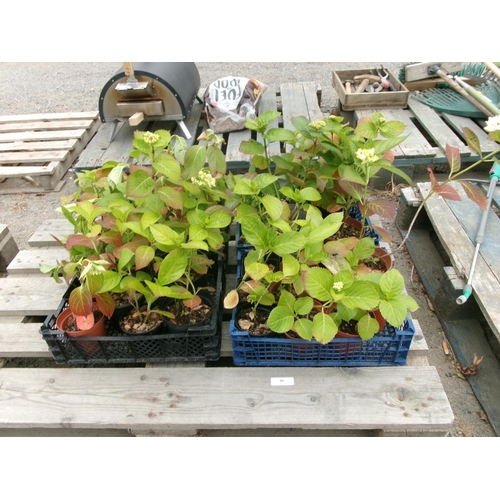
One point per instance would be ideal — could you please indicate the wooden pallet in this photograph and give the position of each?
(37, 150)
(442, 246)
(182, 398)
(429, 133)
(291, 99)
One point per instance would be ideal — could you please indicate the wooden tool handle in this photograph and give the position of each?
(452, 83)
(370, 78)
(362, 86)
(348, 87)
(493, 67)
(128, 68)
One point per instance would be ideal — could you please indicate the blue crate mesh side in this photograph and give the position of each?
(355, 213)
(389, 347)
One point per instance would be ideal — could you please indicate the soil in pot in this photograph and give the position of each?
(67, 322)
(134, 323)
(189, 316)
(253, 321)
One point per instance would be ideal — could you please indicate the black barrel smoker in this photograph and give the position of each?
(150, 91)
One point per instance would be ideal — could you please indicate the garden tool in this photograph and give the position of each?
(494, 177)
(479, 96)
(384, 79)
(436, 70)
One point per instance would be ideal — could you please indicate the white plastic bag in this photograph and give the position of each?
(229, 100)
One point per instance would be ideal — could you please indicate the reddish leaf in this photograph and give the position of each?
(80, 302)
(385, 208)
(231, 300)
(85, 322)
(431, 176)
(389, 156)
(447, 192)
(453, 156)
(193, 302)
(105, 303)
(79, 239)
(475, 194)
(385, 235)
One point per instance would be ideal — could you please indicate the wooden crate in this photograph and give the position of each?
(37, 150)
(369, 100)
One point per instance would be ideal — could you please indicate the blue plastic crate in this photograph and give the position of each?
(389, 347)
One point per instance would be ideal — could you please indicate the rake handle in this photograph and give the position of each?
(452, 83)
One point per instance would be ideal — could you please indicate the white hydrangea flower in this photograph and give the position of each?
(204, 179)
(150, 137)
(338, 286)
(493, 124)
(366, 155)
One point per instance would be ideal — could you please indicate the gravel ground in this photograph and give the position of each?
(70, 87)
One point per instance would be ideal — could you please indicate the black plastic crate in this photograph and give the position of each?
(198, 343)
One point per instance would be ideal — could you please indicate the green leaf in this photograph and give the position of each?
(194, 161)
(290, 265)
(268, 117)
(288, 243)
(273, 206)
(303, 305)
(216, 160)
(171, 197)
(367, 327)
(173, 266)
(139, 184)
(318, 283)
(197, 232)
(279, 134)
(392, 129)
(303, 327)
(324, 328)
(392, 283)
(166, 235)
(256, 270)
(218, 219)
(280, 319)
(388, 144)
(143, 256)
(366, 129)
(362, 295)
(168, 166)
(255, 232)
(252, 147)
(394, 311)
(310, 194)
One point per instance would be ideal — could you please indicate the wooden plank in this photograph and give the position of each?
(436, 128)
(44, 235)
(38, 146)
(460, 249)
(33, 156)
(233, 153)
(83, 115)
(268, 102)
(23, 340)
(28, 261)
(45, 125)
(386, 398)
(54, 135)
(28, 170)
(311, 97)
(294, 105)
(420, 71)
(37, 296)
(415, 145)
